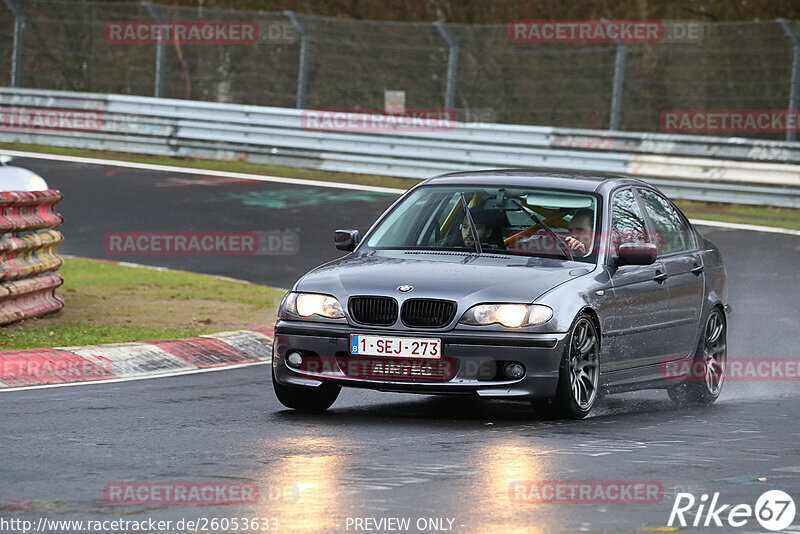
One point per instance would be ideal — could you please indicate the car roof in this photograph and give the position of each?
(576, 181)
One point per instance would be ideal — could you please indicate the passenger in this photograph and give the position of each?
(581, 232)
(489, 225)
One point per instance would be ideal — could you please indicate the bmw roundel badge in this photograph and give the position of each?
(405, 288)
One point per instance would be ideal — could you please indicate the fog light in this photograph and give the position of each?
(294, 359)
(514, 370)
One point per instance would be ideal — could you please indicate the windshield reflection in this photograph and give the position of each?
(494, 221)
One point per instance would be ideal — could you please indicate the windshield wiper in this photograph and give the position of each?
(475, 237)
(549, 230)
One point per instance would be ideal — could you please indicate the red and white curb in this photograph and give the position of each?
(67, 366)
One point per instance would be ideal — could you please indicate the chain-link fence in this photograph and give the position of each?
(318, 62)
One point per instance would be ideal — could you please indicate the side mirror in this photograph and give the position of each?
(346, 239)
(5, 160)
(636, 254)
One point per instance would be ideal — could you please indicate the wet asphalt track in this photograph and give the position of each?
(381, 454)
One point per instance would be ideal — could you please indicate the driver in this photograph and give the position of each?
(489, 226)
(581, 232)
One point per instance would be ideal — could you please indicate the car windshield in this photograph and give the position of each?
(511, 221)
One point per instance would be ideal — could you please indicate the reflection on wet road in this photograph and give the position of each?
(381, 455)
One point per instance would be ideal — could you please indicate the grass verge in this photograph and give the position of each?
(742, 213)
(736, 213)
(112, 303)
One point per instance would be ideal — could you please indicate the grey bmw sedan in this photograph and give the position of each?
(512, 284)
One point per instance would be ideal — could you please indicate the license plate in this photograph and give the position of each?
(401, 347)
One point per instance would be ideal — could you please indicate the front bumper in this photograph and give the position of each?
(471, 361)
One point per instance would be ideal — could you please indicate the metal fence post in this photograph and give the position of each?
(16, 52)
(791, 134)
(158, 90)
(616, 92)
(302, 68)
(452, 65)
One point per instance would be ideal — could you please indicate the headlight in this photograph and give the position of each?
(308, 304)
(510, 315)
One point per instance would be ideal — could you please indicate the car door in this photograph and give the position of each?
(637, 316)
(684, 269)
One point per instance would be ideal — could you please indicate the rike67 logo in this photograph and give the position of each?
(774, 510)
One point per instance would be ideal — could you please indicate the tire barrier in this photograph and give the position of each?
(28, 262)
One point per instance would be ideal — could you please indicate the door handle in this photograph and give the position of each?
(698, 269)
(660, 276)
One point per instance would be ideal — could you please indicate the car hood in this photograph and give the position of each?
(453, 276)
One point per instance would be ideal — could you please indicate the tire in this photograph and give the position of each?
(708, 370)
(306, 399)
(578, 375)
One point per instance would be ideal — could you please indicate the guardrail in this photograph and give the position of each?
(28, 263)
(693, 167)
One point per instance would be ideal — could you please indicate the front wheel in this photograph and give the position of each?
(579, 373)
(306, 399)
(704, 384)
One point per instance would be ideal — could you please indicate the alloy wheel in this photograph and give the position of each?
(714, 353)
(584, 363)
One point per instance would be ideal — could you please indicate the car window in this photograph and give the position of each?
(673, 233)
(627, 221)
(432, 220)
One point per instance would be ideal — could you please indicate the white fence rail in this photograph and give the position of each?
(693, 167)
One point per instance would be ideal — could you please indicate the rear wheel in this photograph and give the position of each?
(306, 399)
(579, 373)
(708, 370)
